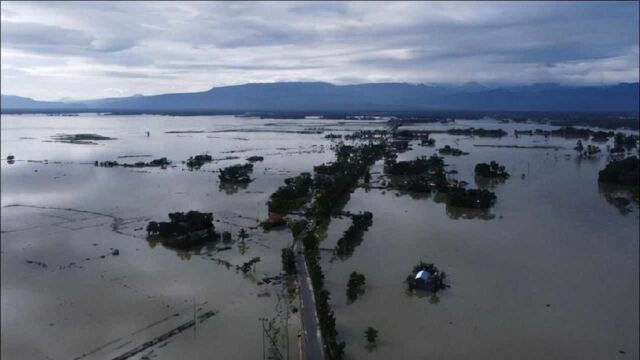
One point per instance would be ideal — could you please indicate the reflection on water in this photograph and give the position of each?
(488, 182)
(556, 231)
(623, 198)
(232, 188)
(205, 248)
(459, 213)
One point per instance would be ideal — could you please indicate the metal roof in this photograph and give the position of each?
(423, 275)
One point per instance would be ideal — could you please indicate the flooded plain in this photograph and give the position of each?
(551, 271)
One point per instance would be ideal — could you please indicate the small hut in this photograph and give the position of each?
(422, 279)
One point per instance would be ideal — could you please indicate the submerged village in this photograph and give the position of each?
(395, 158)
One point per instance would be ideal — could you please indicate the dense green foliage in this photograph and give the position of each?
(435, 282)
(352, 237)
(421, 175)
(236, 174)
(491, 170)
(335, 181)
(622, 172)
(184, 230)
(623, 142)
(255, 158)
(418, 166)
(196, 162)
(297, 227)
(571, 132)
(246, 267)
(288, 261)
(478, 132)
(470, 198)
(161, 162)
(181, 223)
(326, 317)
(448, 150)
(292, 195)
(371, 335)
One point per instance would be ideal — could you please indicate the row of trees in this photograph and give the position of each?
(448, 150)
(288, 261)
(334, 182)
(352, 237)
(161, 162)
(326, 316)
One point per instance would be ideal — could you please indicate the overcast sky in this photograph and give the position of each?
(86, 50)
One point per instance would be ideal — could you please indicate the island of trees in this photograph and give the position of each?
(255, 158)
(621, 172)
(491, 170)
(162, 163)
(196, 162)
(236, 174)
(183, 230)
(448, 150)
(424, 175)
(355, 285)
(431, 278)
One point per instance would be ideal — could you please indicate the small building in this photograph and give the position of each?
(422, 279)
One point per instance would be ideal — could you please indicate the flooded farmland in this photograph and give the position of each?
(551, 271)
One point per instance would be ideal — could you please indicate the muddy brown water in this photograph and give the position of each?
(552, 239)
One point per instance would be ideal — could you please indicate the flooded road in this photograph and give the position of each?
(550, 272)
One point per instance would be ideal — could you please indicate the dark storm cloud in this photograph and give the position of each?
(42, 38)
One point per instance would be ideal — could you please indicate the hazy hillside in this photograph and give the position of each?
(310, 96)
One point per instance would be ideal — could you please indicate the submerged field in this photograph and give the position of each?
(551, 271)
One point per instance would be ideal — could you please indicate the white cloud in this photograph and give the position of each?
(81, 50)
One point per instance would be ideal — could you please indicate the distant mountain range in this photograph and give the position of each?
(320, 96)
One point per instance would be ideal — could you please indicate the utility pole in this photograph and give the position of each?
(263, 349)
(286, 325)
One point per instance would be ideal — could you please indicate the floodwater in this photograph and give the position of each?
(550, 272)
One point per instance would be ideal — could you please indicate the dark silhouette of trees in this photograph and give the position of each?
(352, 237)
(470, 198)
(435, 281)
(294, 194)
(371, 335)
(288, 261)
(184, 230)
(255, 158)
(196, 162)
(491, 170)
(622, 172)
(418, 166)
(236, 174)
(448, 150)
(354, 286)
(246, 267)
